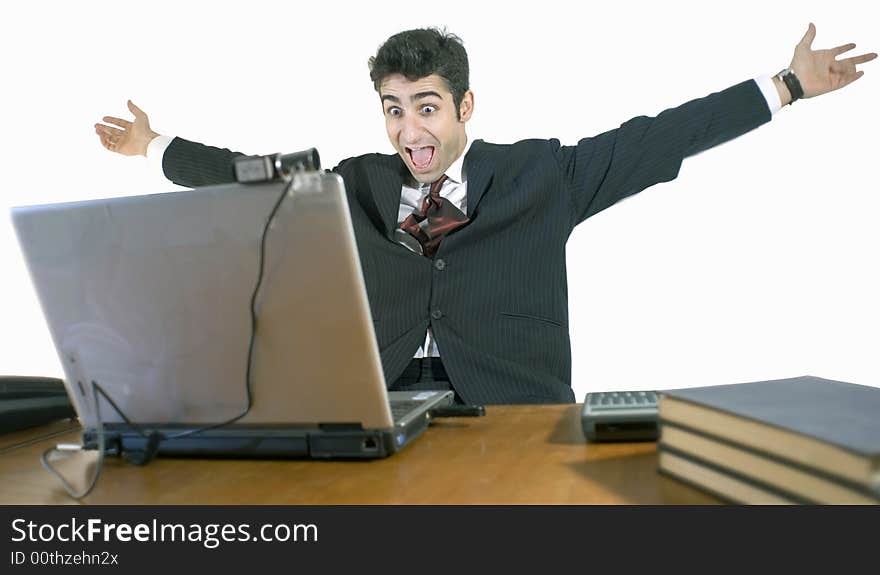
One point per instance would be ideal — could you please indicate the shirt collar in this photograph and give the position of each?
(456, 170)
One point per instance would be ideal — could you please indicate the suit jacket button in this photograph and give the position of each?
(439, 265)
(436, 314)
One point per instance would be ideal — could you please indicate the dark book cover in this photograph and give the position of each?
(839, 413)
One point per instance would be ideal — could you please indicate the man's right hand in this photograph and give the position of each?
(128, 138)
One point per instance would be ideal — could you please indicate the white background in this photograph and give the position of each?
(760, 261)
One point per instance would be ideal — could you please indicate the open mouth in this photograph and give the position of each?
(421, 158)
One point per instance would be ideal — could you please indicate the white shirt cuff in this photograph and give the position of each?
(156, 150)
(768, 89)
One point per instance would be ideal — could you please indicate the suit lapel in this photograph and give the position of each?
(479, 168)
(382, 196)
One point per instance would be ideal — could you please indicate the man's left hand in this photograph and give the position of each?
(819, 71)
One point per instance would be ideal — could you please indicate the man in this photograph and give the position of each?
(462, 242)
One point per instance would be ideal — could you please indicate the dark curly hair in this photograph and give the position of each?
(419, 53)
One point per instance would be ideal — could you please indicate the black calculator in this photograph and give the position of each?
(620, 416)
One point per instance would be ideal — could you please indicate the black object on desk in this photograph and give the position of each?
(458, 410)
(32, 401)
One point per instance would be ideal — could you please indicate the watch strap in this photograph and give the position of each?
(791, 82)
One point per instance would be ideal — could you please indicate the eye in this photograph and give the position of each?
(394, 111)
(428, 109)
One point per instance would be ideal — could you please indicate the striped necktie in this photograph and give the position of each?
(426, 226)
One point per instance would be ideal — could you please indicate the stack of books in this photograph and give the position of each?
(804, 440)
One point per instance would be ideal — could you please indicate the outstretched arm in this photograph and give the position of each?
(819, 71)
(645, 151)
(185, 163)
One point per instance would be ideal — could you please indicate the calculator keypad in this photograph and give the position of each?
(622, 399)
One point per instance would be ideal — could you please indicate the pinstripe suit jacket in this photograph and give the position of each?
(498, 302)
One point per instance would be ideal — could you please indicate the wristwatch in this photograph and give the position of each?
(792, 83)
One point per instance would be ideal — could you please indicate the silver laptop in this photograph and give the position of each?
(149, 298)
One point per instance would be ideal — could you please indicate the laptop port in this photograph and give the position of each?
(369, 444)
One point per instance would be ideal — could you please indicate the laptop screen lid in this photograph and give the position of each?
(149, 296)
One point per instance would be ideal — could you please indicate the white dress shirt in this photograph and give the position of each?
(454, 189)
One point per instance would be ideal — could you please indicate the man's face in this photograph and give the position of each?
(422, 124)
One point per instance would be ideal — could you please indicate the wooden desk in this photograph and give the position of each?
(513, 455)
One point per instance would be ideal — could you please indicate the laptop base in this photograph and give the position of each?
(325, 441)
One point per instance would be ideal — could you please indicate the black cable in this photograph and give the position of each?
(154, 437)
(251, 343)
(99, 465)
(253, 309)
(116, 408)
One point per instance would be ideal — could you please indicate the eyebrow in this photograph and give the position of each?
(414, 97)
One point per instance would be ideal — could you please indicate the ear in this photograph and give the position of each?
(466, 108)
